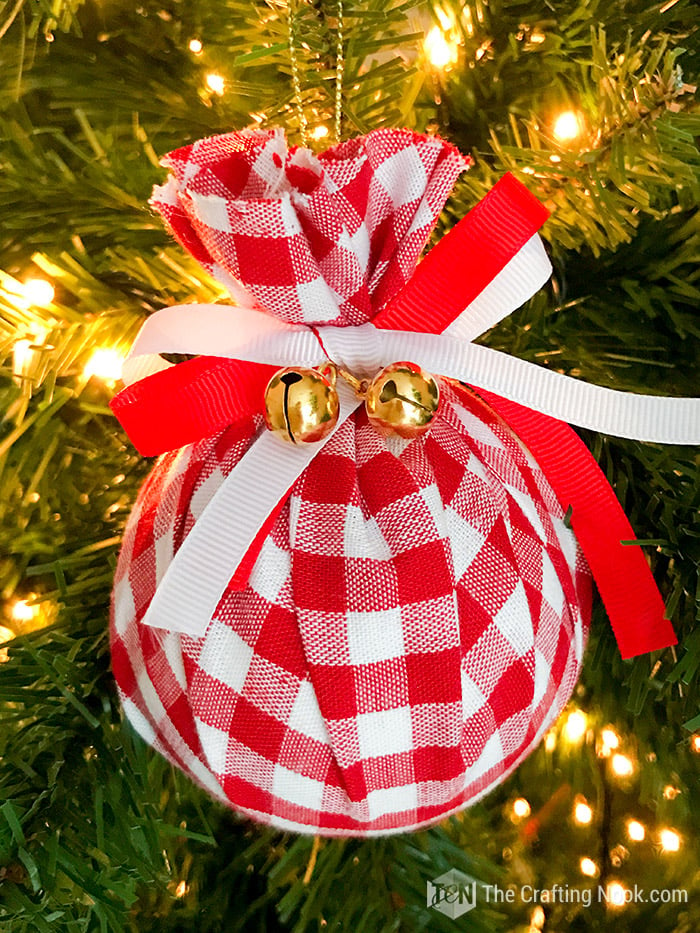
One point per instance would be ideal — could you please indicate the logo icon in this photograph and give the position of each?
(453, 893)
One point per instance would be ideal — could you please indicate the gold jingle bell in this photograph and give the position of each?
(301, 405)
(402, 399)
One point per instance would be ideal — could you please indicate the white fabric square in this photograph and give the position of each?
(551, 586)
(375, 636)
(306, 716)
(214, 745)
(296, 788)
(271, 571)
(211, 209)
(385, 732)
(202, 496)
(392, 800)
(491, 755)
(466, 541)
(404, 175)
(226, 656)
(137, 719)
(124, 606)
(173, 652)
(472, 698)
(363, 538)
(514, 620)
(543, 670)
(528, 508)
(478, 429)
(317, 300)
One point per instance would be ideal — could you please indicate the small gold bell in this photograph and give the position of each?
(402, 399)
(301, 405)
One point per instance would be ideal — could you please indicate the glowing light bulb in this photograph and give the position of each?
(320, 132)
(567, 126)
(521, 808)
(670, 840)
(616, 894)
(106, 364)
(550, 741)
(6, 634)
(38, 292)
(671, 792)
(695, 743)
(216, 83)
(622, 765)
(583, 814)
(636, 831)
(588, 867)
(21, 357)
(576, 725)
(610, 738)
(439, 52)
(537, 918)
(23, 611)
(195, 46)
(181, 889)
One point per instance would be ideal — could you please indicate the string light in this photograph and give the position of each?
(671, 792)
(38, 292)
(610, 739)
(195, 46)
(521, 808)
(106, 364)
(23, 611)
(320, 131)
(181, 889)
(216, 83)
(567, 126)
(636, 830)
(550, 741)
(670, 840)
(616, 894)
(583, 814)
(22, 354)
(695, 744)
(537, 918)
(6, 634)
(622, 765)
(588, 867)
(439, 52)
(576, 725)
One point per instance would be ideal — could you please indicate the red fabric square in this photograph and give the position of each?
(319, 582)
(254, 728)
(277, 269)
(424, 573)
(335, 690)
(434, 678)
(513, 692)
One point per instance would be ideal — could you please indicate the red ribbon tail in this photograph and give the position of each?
(622, 575)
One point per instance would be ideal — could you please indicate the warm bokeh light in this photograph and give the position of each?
(320, 131)
(21, 357)
(610, 738)
(671, 792)
(216, 83)
(23, 611)
(550, 741)
(106, 364)
(588, 867)
(695, 743)
(195, 46)
(616, 894)
(622, 766)
(181, 889)
(636, 831)
(537, 918)
(583, 814)
(38, 292)
(6, 634)
(567, 126)
(439, 52)
(670, 840)
(521, 808)
(576, 725)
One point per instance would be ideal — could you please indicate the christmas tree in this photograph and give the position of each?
(590, 105)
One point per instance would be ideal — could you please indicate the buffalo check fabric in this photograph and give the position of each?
(413, 624)
(313, 239)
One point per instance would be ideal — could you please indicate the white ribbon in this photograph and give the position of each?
(189, 592)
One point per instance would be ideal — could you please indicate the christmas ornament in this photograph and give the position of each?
(362, 634)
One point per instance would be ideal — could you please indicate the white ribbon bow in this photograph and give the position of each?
(189, 592)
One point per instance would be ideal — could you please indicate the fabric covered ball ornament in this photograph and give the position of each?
(365, 632)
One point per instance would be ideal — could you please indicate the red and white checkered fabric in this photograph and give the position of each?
(416, 617)
(324, 239)
(414, 623)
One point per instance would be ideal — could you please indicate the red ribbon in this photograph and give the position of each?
(200, 397)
